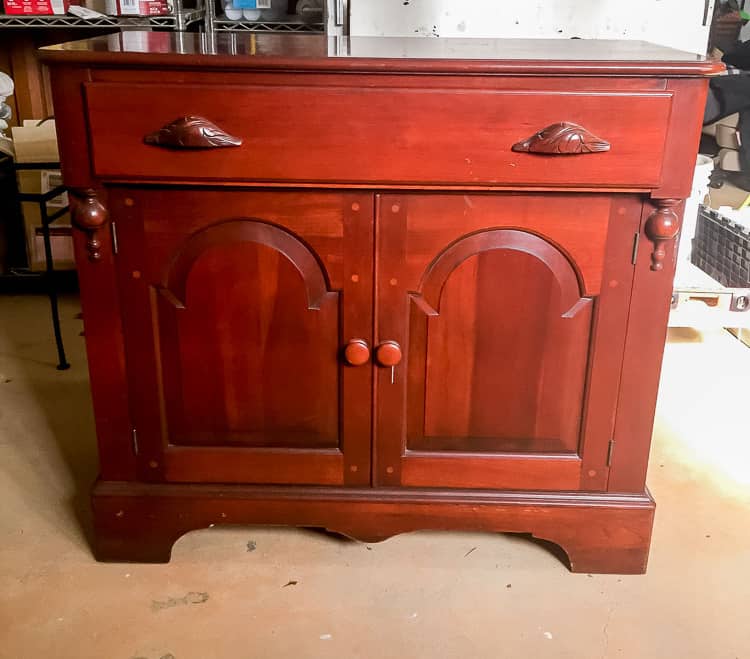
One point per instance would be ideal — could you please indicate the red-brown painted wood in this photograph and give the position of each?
(373, 315)
(105, 347)
(496, 327)
(414, 124)
(357, 352)
(641, 368)
(375, 54)
(312, 78)
(191, 132)
(607, 348)
(136, 522)
(688, 102)
(234, 322)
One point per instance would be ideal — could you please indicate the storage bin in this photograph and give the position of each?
(721, 248)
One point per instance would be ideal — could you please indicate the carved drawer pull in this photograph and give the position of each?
(563, 139)
(192, 132)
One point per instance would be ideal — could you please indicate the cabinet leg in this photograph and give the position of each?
(612, 560)
(125, 534)
(605, 542)
(131, 545)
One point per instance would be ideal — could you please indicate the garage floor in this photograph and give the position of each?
(262, 593)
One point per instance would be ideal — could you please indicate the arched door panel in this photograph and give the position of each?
(497, 320)
(505, 359)
(236, 323)
(251, 351)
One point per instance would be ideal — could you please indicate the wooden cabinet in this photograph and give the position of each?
(377, 293)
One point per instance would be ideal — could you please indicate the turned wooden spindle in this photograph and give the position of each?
(662, 228)
(89, 215)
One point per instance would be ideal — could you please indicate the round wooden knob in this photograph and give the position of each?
(389, 354)
(357, 352)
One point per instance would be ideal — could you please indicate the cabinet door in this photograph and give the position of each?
(500, 326)
(237, 307)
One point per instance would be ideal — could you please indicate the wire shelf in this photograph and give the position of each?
(224, 24)
(171, 21)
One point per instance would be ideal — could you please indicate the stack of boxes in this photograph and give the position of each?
(110, 7)
(724, 132)
(137, 8)
(37, 7)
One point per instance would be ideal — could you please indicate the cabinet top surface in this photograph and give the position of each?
(382, 54)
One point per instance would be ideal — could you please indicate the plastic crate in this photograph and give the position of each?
(721, 248)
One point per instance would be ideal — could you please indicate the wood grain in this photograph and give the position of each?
(402, 54)
(230, 316)
(601, 533)
(497, 332)
(374, 316)
(641, 368)
(419, 130)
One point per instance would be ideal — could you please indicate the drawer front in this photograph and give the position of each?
(379, 135)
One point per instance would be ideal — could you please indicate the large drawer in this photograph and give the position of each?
(378, 135)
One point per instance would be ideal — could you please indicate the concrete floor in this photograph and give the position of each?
(301, 594)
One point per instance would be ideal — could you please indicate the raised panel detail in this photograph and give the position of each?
(249, 334)
(242, 232)
(499, 336)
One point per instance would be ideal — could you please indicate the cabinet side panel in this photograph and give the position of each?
(644, 348)
(685, 122)
(71, 120)
(106, 359)
(99, 293)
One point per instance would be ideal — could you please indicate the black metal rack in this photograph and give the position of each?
(47, 218)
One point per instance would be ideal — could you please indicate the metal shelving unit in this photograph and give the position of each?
(179, 20)
(292, 24)
(331, 20)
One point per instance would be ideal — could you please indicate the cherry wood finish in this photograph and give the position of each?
(191, 132)
(138, 522)
(89, 215)
(383, 54)
(662, 228)
(385, 307)
(635, 122)
(564, 138)
(234, 317)
(357, 352)
(488, 401)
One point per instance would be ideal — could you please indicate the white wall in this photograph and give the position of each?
(676, 23)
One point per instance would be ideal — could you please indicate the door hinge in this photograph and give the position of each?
(636, 242)
(134, 434)
(115, 243)
(610, 452)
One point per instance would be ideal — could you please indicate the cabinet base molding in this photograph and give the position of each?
(599, 533)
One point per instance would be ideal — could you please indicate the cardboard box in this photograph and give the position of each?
(61, 239)
(37, 7)
(138, 8)
(37, 142)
